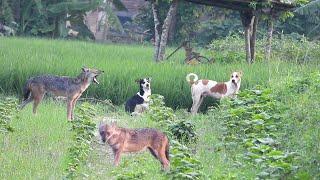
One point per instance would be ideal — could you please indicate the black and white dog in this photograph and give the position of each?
(140, 102)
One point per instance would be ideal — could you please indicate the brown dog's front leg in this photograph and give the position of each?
(117, 154)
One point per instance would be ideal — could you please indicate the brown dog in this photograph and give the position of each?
(134, 140)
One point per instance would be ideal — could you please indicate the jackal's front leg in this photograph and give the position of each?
(69, 110)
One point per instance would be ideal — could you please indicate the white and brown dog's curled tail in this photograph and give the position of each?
(194, 79)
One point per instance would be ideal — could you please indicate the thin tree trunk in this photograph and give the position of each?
(247, 43)
(105, 28)
(253, 38)
(165, 29)
(173, 25)
(269, 38)
(247, 21)
(156, 31)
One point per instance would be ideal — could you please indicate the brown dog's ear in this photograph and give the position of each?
(114, 124)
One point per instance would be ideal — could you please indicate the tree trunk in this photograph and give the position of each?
(253, 38)
(173, 26)
(105, 28)
(165, 29)
(17, 10)
(247, 43)
(269, 38)
(249, 22)
(156, 31)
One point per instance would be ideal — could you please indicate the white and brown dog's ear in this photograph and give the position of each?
(240, 73)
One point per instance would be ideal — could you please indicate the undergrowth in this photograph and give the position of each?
(261, 120)
(8, 111)
(82, 128)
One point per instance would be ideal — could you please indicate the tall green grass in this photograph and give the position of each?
(22, 58)
(37, 147)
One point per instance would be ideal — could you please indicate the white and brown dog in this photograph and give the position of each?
(203, 87)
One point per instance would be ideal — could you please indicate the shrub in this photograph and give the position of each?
(183, 131)
(82, 128)
(255, 121)
(284, 48)
(159, 112)
(8, 111)
(183, 164)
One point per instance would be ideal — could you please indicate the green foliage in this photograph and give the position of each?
(83, 129)
(255, 121)
(158, 112)
(182, 164)
(186, 22)
(184, 131)
(284, 48)
(8, 112)
(124, 173)
(6, 16)
(47, 18)
(302, 96)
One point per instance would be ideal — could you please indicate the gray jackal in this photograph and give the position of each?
(71, 88)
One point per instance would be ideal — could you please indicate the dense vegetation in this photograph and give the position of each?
(269, 131)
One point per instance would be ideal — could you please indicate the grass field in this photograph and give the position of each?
(24, 58)
(38, 145)
(37, 149)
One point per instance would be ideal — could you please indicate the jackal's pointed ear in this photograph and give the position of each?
(84, 69)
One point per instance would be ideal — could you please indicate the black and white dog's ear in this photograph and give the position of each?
(149, 79)
(137, 81)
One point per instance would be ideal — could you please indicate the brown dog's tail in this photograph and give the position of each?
(193, 80)
(167, 150)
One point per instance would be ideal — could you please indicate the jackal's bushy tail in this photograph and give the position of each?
(191, 81)
(26, 91)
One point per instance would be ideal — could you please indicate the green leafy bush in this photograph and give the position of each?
(183, 164)
(254, 121)
(82, 128)
(8, 111)
(159, 112)
(183, 131)
(284, 48)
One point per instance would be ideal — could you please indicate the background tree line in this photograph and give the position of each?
(46, 18)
